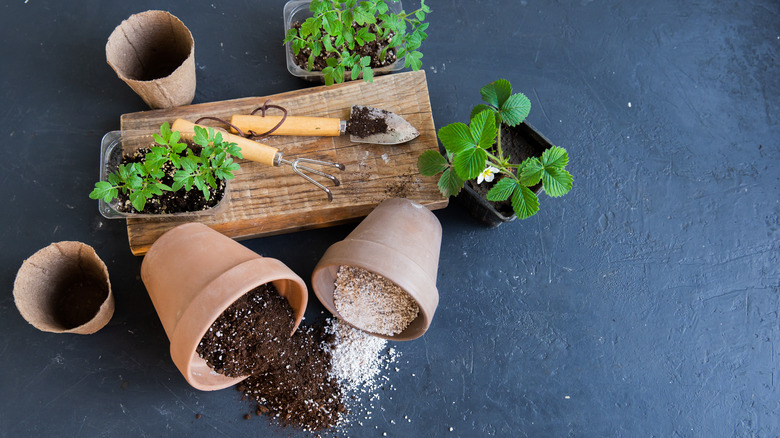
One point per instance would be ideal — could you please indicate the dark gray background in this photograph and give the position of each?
(644, 303)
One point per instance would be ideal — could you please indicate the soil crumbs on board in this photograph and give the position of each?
(170, 202)
(321, 378)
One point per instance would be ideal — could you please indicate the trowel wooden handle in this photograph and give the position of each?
(308, 126)
(251, 150)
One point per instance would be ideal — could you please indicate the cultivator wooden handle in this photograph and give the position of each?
(250, 149)
(293, 125)
(262, 153)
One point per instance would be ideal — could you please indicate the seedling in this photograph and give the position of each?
(339, 26)
(143, 180)
(474, 151)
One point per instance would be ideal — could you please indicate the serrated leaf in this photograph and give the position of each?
(158, 139)
(524, 202)
(450, 183)
(431, 162)
(479, 108)
(368, 74)
(138, 200)
(101, 189)
(555, 156)
(530, 171)
(456, 137)
(557, 182)
(483, 129)
(502, 190)
(413, 60)
(470, 163)
(496, 92)
(515, 109)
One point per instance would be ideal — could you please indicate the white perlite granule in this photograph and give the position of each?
(357, 361)
(371, 302)
(355, 356)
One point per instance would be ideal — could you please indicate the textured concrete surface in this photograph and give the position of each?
(644, 303)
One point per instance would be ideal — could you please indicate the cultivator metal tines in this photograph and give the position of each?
(271, 156)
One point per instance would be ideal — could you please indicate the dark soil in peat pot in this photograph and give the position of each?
(77, 299)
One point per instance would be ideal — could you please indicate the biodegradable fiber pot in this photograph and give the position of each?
(192, 274)
(154, 53)
(400, 240)
(64, 288)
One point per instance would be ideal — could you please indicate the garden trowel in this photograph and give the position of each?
(365, 125)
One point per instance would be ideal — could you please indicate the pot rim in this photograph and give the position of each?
(190, 329)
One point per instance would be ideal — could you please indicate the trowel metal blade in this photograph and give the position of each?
(378, 126)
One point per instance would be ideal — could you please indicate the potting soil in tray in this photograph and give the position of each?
(321, 377)
(170, 202)
(371, 48)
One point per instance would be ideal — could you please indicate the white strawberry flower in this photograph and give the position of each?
(487, 175)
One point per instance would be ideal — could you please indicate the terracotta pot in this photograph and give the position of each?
(64, 288)
(192, 274)
(400, 240)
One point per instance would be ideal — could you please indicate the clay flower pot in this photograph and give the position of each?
(64, 288)
(192, 274)
(400, 240)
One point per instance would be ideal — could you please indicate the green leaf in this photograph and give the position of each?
(450, 183)
(327, 75)
(201, 137)
(496, 92)
(368, 74)
(431, 162)
(483, 129)
(456, 138)
(479, 108)
(524, 202)
(413, 60)
(502, 190)
(138, 200)
(515, 109)
(530, 171)
(557, 182)
(101, 189)
(470, 163)
(555, 156)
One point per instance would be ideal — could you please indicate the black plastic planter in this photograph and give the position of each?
(519, 142)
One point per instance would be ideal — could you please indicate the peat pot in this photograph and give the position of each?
(192, 274)
(153, 52)
(519, 142)
(400, 240)
(64, 288)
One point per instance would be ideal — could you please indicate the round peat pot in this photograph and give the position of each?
(400, 240)
(153, 52)
(192, 274)
(64, 288)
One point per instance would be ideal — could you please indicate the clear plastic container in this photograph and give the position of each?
(117, 143)
(298, 11)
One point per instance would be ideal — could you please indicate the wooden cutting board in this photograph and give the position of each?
(274, 200)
